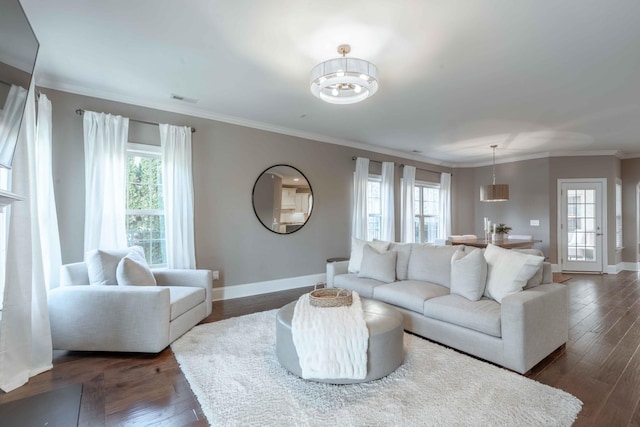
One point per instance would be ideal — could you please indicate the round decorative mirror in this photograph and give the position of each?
(282, 199)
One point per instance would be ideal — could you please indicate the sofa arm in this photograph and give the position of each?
(187, 277)
(535, 322)
(335, 268)
(110, 318)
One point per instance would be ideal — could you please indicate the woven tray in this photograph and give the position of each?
(330, 297)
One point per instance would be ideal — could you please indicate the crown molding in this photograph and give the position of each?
(625, 156)
(506, 159)
(512, 159)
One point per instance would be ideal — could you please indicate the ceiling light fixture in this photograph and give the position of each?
(344, 80)
(494, 192)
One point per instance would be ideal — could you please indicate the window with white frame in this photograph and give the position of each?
(374, 207)
(145, 204)
(426, 206)
(618, 214)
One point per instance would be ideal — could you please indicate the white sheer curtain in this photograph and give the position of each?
(360, 216)
(47, 215)
(10, 116)
(408, 216)
(105, 157)
(444, 226)
(388, 226)
(178, 195)
(33, 254)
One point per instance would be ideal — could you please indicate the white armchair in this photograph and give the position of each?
(127, 318)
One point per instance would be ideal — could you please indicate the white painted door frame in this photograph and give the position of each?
(603, 215)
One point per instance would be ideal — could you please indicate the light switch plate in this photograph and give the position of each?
(534, 222)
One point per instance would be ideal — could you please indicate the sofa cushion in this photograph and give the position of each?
(378, 265)
(537, 278)
(402, 261)
(482, 316)
(468, 274)
(184, 298)
(103, 263)
(362, 286)
(357, 246)
(508, 271)
(409, 294)
(133, 270)
(431, 263)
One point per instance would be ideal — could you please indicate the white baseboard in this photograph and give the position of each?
(631, 266)
(250, 289)
(614, 269)
(611, 269)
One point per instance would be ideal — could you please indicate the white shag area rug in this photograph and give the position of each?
(233, 370)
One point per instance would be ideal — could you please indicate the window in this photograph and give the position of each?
(618, 214)
(145, 205)
(426, 205)
(374, 207)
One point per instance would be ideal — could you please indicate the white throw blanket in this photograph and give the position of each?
(331, 342)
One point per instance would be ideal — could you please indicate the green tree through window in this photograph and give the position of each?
(145, 205)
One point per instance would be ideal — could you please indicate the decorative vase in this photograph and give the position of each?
(497, 237)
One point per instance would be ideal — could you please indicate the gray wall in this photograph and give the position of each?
(585, 167)
(528, 199)
(630, 182)
(227, 160)
(533, 195)
(463, 202)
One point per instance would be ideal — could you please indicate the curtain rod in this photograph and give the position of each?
(425, 170)
(80, 112)
(401, 165)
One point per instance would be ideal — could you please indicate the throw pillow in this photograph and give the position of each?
(508, 271)
(538, 277)
(468, 274)
(102, 264)
(133, 270)
(431, 263)
(402, 262)
(378, 265)
(357, 245)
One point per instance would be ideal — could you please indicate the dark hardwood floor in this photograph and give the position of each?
(600, 364)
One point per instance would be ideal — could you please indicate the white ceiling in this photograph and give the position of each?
(535, 77)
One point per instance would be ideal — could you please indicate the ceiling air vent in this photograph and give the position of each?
(183, 98)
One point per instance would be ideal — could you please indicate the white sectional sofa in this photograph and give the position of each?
(109, 317)
(431, 286)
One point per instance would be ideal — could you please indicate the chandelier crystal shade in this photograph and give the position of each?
(344, 80)
(494, 192)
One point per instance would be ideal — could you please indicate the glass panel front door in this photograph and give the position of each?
(581, 239)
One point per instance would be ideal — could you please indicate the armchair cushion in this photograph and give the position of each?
(133, 270)
(102, 264)
(183, 299)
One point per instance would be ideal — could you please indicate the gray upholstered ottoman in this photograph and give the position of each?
(385, 351)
